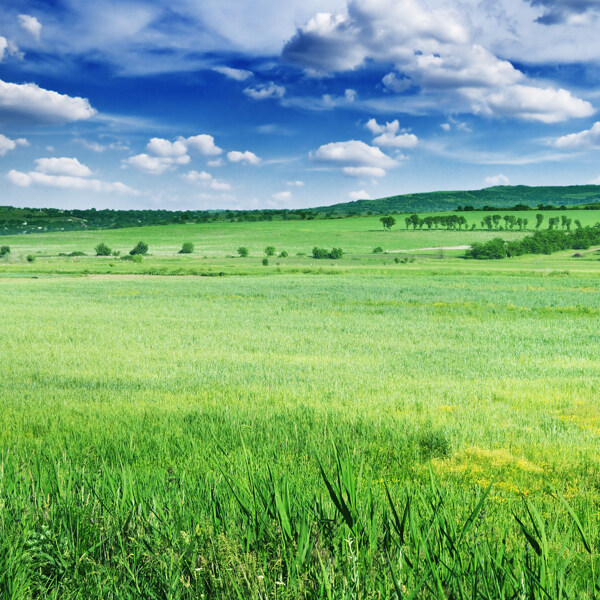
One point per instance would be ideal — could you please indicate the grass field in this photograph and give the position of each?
(299, 436)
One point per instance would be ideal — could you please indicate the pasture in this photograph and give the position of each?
(313, 429)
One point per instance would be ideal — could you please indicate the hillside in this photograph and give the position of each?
(504, 196)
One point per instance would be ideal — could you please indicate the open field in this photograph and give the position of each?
(161, 436)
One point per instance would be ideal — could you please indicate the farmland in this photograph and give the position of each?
(303, 429)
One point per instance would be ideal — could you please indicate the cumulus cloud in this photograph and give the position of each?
(231, 73)
(65, 173)
(387, 135)
(6, 144)
(62, 166)
(207, 180)
(355, 157)
(359, 195)
(29, 102)
(496, 180)
(433, 50)
(246, 157)
(163, 155)
(265, 91)
(589, 138)
(31, 25)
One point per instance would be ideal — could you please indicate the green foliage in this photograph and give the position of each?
(265, 262)
(495, 248)
(103, 250)
(270, 250)
(136, 258)
(320, 253)
(30, 258)
(377, 250)
(4, 250)
(140, 248)
(387, 222)
(283, 254)
(187, 248)
(78, 253)
(242, 251)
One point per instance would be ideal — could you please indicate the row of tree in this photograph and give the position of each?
(541, 242)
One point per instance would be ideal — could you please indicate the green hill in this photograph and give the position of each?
(503, 196)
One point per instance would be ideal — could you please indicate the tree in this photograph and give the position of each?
(270, 250)
(539, 218)
(242, 251)
(387, 222)
(140, 248)
(4, 250)
(187, 248)
(102, 249)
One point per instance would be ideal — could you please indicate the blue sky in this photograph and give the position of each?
(236, 104)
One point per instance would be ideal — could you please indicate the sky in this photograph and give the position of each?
(214, 104)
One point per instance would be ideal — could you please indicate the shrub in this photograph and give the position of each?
(242, 251)
(30, 258)
(322, 253)
(265, 262)
(4, 250)
(102, 249)
(140, 248)
(270, 250)
(377, 250)
(187, 248)
(137, 258)
(283, 254)
(128, 257)
(336, 253)
(79, 253)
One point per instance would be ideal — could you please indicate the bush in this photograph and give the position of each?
(495, 248)
(242, 251)
(377, 250)
(283, 254)
(140, 248)
(265, 262)
(80, 253)
(30, 258)
(4, 250)
(270, 250)
(187, 248)
(102, 249)
(322, 253)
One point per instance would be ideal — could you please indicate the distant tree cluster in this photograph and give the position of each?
(541, 242)
(446, 221)
(334, 253)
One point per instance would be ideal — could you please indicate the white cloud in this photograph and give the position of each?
(203, 143)
(30, 102)
(31, 25)
(68, 182)
(359, 195)
(350, 95)
(264, 91)
(364, 171)
(164, 155)
(295, 183)
(446, 126)
(353, 153)
(217, 162)
(589, 138)
(62, 166)
(207, 180)
(165, 149)
(547, 105)
(246, 157)
(387, 135)
(282, 196)
(237, 74)
(496, 180)
(6, 144)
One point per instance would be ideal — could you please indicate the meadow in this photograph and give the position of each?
(360, 428)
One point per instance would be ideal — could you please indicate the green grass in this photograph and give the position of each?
(175, 437)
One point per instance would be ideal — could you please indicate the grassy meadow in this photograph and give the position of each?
(361, 428)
